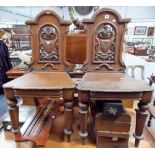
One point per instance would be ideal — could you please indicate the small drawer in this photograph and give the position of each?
(112, 139)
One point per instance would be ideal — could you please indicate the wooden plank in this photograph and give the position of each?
(76, 48)
(43, 119)
(113, 134)
(124, 117)
(37, 128)
(112, 126)
(112, 139)
(121, 123)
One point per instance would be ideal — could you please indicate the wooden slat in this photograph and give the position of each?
(40, 123)
(112, 126)
(37, 128)
(113, 134)
(32, 123)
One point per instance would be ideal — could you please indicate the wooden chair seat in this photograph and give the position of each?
(37, 127)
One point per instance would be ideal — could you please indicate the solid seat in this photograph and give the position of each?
(38, 126)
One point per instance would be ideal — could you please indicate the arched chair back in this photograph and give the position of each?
(105, 35)
(48, 42)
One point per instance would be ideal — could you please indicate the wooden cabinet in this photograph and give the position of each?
(76, 48)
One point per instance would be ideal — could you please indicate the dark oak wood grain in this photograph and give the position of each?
(48, 41)
(76, 48)
(42, 81)
(47, 79)
(38, 126)
(14, 73)
(106, 78)
(105, 35)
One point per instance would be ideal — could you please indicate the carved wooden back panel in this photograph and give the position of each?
(105, 34)
(48, 32)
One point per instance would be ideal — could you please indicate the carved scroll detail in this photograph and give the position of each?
(104, 65)
(49, 49)
(84, 68)
(109, 67)
(105, 38)
(68, 68)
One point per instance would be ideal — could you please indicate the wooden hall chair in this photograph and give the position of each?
(47, 78)
(105, 77)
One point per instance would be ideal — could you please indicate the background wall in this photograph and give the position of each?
(130, 37)
(140, 16)
(17, 15)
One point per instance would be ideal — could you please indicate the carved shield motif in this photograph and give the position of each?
(48, 46)
(49, 43)
(104, 43)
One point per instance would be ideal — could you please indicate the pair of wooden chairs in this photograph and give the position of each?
(104, 79)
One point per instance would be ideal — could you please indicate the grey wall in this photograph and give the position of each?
(136, 12)
(18, 15)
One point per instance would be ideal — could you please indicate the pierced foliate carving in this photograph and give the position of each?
(105, 38)
(84, 68)
(49, 49)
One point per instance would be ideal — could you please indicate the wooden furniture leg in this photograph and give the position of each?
(68, 104)
(83, 110)
(68, 119)
(14, 114)
(141, 115)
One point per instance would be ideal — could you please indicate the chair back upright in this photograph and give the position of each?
(48, 42)
(105, 36)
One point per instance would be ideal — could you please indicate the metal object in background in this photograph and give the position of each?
(75, 11)
(83, 10)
